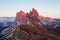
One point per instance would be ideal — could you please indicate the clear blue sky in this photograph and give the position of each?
(50, 8)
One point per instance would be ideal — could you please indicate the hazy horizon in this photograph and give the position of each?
(48, 8)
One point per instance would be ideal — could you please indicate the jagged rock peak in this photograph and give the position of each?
(34, 12)
(20, 13)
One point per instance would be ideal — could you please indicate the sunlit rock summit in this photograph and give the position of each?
(22, 17)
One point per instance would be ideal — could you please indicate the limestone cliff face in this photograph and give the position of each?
(21, 18)
(19, 15)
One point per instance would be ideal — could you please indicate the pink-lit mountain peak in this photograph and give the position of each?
(21, 14)
(32, 12)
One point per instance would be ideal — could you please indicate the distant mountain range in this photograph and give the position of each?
(7, 19)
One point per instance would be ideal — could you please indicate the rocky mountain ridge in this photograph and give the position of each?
(29, 26)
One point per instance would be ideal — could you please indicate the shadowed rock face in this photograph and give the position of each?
(34, 12)
(30, 27)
